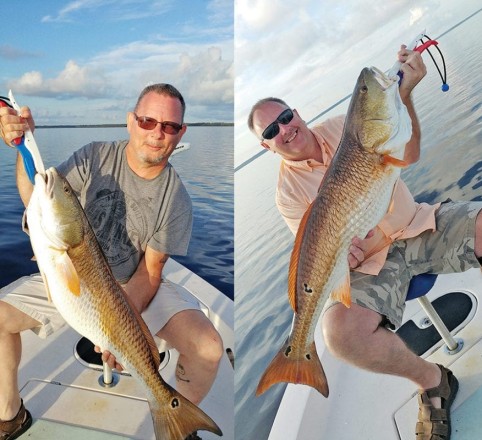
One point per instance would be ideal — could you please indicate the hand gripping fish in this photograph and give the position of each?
(89, 298)
(354, 196)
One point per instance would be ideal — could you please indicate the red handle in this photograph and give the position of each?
(425, 45)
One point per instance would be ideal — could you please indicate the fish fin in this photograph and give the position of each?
(145, 330)
(341, 292)
(176, 417)
(68, 272)
(390, 160)
(46, 284)
(295, 258)
(25, 223)
(292, 366)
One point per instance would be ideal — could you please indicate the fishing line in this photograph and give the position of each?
(445, 86)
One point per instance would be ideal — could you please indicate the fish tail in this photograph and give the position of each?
(290, 366)
(179, 418)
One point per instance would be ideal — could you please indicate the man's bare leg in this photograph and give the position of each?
(200, 349)
(12, 322)
(355, 336)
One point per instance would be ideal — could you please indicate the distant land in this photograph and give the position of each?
(189, 124)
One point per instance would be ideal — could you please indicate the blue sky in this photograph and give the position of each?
(85, 61)
(312, 54)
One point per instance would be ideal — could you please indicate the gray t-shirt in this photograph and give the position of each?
(129, 213)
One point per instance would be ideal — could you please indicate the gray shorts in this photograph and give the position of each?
(449, 249)
(28, 295)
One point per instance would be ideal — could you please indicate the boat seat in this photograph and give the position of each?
(419, 286)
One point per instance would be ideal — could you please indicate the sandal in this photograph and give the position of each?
(434, 423)
(11, 429)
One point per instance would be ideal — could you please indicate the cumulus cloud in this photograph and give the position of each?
(201, 73)
(73, 80)
(206, 76)
(196, 55)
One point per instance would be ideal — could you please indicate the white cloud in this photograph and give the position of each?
(206, 77)
(415, 15)
(111, 9)
(202, 74)
(64, 15)
(73, 80)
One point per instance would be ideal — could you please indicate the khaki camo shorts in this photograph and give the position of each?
(449, 249)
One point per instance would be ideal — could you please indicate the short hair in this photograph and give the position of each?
(258, 105)
(162, 89)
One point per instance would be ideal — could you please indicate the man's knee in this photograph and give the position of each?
(209, 345)
(194, 336)
(345, 328)
(13, 320)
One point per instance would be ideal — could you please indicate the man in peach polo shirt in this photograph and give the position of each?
(412, 239)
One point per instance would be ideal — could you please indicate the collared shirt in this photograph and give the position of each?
(299, 181)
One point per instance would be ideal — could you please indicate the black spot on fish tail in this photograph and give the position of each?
(175, 402)
(288, 351)
(307, 289)
(308, 356)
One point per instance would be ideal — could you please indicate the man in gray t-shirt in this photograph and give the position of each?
(141, 214)
(127, 212)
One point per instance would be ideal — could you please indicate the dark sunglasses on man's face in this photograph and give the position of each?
(272, 129)
(147, 123)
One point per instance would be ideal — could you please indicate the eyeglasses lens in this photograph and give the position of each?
(168, 127)
(272, 129)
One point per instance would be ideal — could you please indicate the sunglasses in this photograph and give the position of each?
(272, 129)
(147, 123)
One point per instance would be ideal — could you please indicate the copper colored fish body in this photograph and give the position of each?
(354, 196)
(82, 287)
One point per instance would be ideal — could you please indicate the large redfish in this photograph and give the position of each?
(85, 292)
(354, 196)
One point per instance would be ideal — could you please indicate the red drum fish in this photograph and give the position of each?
(82, 287)
(354, 196)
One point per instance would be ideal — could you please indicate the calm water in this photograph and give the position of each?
(451, 166)
(206, 170)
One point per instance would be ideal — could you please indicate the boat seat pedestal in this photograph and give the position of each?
(85, 353)
(419, 286)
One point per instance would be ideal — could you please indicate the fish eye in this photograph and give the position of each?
(66, 189)
(364, 89)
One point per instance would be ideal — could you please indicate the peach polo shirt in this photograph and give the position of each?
(298, 184)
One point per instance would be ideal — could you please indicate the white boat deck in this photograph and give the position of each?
(67, 401)
(368, 406)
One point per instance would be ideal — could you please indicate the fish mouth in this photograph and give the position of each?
(384, 80)
(49, 179)
(40, 177)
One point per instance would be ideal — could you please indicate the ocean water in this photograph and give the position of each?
(450, 167)
(206, 170)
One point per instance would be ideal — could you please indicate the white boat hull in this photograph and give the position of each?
(369, 406)
(67, 401)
